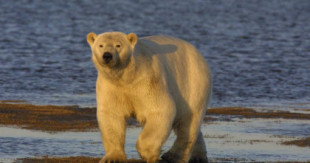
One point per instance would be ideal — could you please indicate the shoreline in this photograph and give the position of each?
(48, 118)
(52, 119)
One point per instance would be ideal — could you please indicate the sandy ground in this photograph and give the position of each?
(237, 133)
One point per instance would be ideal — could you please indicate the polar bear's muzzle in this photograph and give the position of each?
(107, 57)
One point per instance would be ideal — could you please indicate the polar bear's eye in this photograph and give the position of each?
(118, 45)
(101, 46)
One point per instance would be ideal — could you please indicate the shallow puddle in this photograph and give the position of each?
(256, 140)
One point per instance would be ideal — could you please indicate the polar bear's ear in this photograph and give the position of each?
(91, 37)
(132, 38)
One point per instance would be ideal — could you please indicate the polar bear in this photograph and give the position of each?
(163, 82)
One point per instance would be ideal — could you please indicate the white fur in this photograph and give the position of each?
(161, 81)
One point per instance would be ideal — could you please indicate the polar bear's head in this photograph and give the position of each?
(112, 50)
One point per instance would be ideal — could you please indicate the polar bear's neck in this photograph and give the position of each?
(122, 76)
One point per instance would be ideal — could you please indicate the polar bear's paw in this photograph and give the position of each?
(170, 157)
(198, 160)
(112, 161)
(113, 158)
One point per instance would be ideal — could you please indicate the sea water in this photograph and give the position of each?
(258, 51)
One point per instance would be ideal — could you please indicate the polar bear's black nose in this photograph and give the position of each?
(107, 57)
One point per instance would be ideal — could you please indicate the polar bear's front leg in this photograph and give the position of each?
(112, 129)
(155, 131)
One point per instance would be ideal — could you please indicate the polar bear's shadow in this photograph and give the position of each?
(160, 49)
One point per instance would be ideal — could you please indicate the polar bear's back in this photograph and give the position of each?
(186, 70)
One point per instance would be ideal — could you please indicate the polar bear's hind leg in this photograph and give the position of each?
(185, 141)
